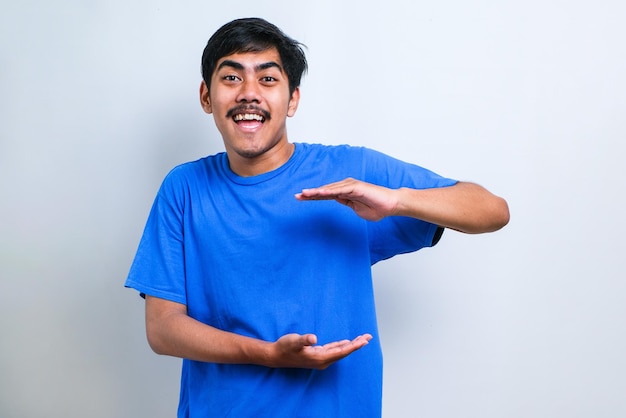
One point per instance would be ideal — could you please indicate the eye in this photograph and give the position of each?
(230, 77)
(268, 79)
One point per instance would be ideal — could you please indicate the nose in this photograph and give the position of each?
(249, 92)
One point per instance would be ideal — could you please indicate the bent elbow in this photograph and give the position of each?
(161, 323)
(494, 217)
(156, 341)
(500, 215)
(505, 214)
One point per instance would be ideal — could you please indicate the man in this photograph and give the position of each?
(256, 263)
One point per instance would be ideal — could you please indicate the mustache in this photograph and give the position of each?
(248, 109)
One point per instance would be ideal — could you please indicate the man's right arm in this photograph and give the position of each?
(171, 331)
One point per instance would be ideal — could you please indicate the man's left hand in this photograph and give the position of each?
(369, 201)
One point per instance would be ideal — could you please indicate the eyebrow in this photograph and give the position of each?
(260, 67)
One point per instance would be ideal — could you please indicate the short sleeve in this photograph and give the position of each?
(158, 268)
(398, 234)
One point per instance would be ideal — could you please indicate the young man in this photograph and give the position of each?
(256, 263)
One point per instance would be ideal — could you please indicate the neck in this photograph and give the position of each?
(248, 166)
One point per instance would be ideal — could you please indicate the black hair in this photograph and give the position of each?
(254, 35)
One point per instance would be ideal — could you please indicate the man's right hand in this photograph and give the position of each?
(301, 351)
(172, 332)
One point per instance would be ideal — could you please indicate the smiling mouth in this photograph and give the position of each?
(248, 117)
(243, 114)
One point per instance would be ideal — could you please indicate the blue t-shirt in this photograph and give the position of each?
(245, 256)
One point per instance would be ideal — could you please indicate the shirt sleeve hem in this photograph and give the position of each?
(157, 293)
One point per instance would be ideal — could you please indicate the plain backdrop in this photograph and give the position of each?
(99, 100)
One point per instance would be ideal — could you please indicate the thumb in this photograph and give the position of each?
(308, 339)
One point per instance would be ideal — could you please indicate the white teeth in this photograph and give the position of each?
(248, 116)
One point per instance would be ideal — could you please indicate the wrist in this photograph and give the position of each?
(262, 353)
(404, 199)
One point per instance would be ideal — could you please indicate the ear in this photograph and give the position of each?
(205, 100)
(293, 102)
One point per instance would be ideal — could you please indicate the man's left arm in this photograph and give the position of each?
(465, 207)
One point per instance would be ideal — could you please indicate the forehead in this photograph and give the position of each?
(252, 60)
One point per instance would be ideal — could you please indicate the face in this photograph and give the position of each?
(250, 102)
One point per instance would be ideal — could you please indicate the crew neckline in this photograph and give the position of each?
(260, 178)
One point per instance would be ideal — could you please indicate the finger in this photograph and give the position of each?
(308, 340)
(360, 341)
(317, 193)
(311, 339)
(328, 191)
(296, 342)
(336, 344)
(348, 345)
(301, 196)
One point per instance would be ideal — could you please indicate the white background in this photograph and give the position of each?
(99, 100)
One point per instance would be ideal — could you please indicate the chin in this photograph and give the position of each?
(254, 150)
(251, 152)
